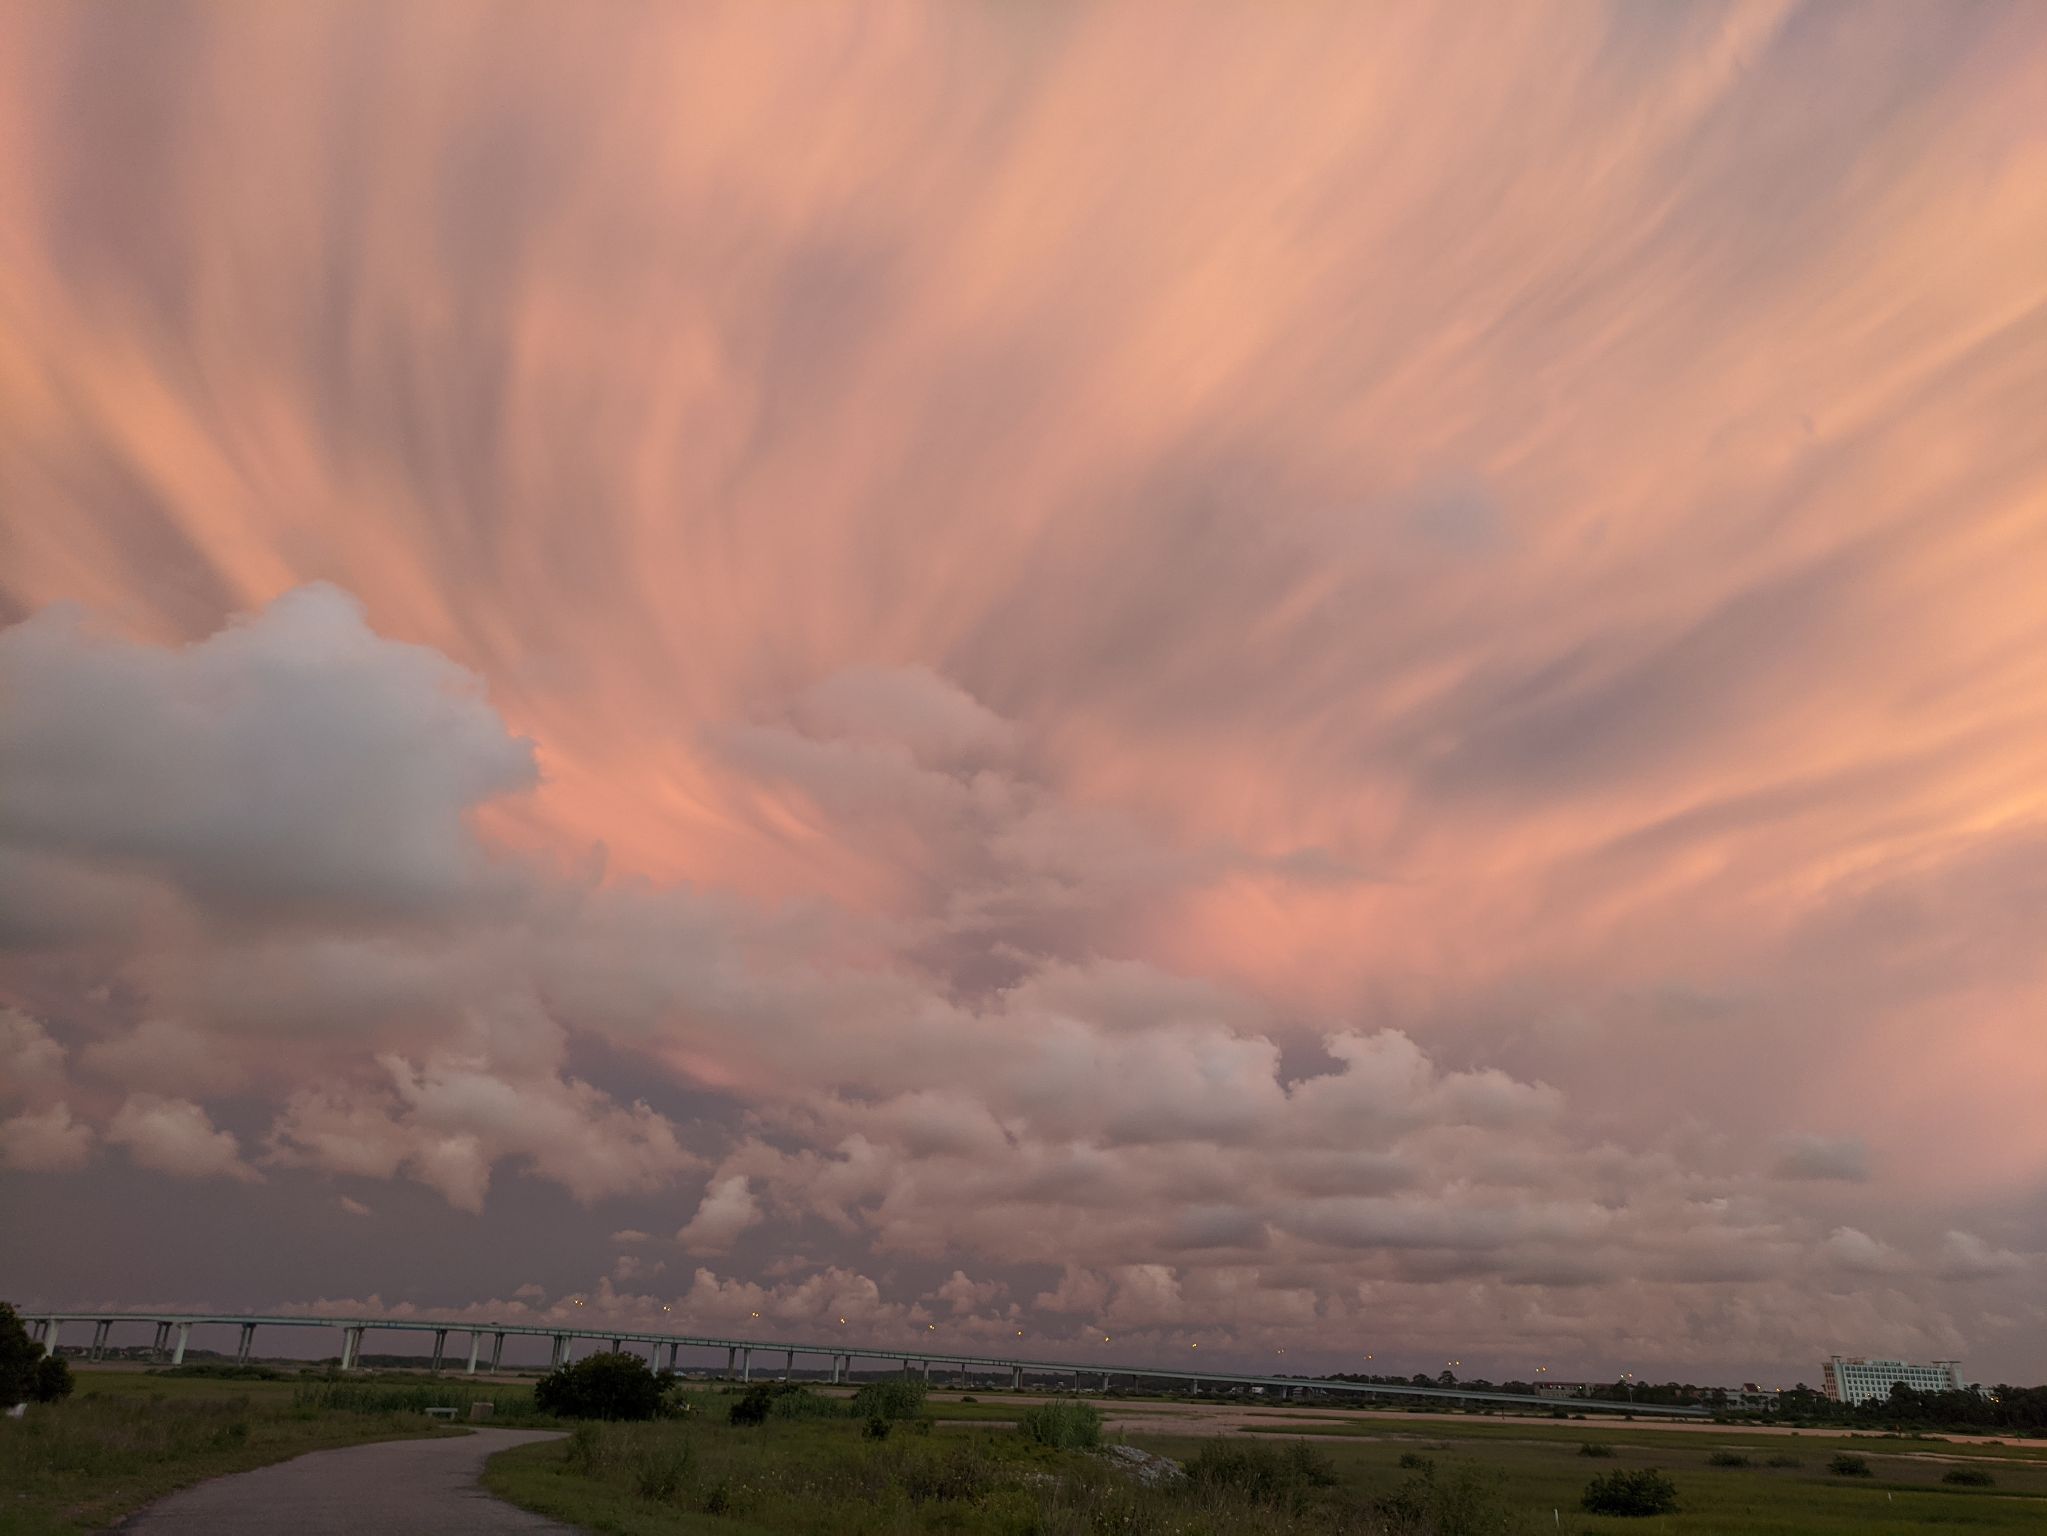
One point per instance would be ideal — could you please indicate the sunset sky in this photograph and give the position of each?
(1345, 678)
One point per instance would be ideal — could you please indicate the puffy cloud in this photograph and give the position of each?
(31, 1062)
(176, 1136)
(449, 1122)
(1965, 1256)
(45, 1140)
(353, 1206)
(1859, 1253)
(293, 763)
(727, 1209)
(166, 1057)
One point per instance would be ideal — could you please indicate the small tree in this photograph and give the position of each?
(1644, 1492)
(606, 1386)
(18, 1357)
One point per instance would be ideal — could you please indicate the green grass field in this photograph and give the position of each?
(962, 1468)
(966, 1473)
(126, 1438)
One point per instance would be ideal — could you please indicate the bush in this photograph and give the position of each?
(1727, 1459)
(877, 1428)
(898, 1397)
(1064, 1426)
(1845, 1465)
(1594, 1448)
(605, 1386)
(1968, 1477)
(1279, 1475)
(784, 1400)
(964, 1473)
(1781, 1459)
(1644, 1492)
(18, 1356)
(51, 1380)
(1460, 1501)
(660, 1472)
(1415, 1461)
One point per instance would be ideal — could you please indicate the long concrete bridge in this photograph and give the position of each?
(172, 1333)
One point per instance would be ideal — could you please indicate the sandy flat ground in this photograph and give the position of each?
(1163, 1418)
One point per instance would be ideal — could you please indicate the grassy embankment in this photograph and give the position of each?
(966, 1474)
(125, 1438)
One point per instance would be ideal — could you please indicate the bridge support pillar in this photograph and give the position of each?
(497, 1351)
(475, 1348)
(731, 1360)
(838, 1369)
(100, 1330)
(184, 1337)
(788, 1364)
(248, 1339)
(1016, 1378)
(51, 1328)
(674, 1347)
(351, 1348)
(161, 1343)
(560, 1356)
(440, 1347)
(654, 1356)
(618, 1346)
(746, 1365)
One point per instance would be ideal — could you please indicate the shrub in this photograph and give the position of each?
(51, 1380)
(1845, 1465)
(1415, 1461)
(1279, 1475)
(783, 1400)
(1595, 1448)
(18, 1356)
(1968, 1477)
(962, 1474)
(606, 1386)
(1727, 1459)
(1064, 1426)
(1459, 1501)
(662, 1470)
(1643, 1492)
(877, 1428)
(898, 1397)
(1781, 1459)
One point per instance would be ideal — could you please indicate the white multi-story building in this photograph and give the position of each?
(1851, 1379)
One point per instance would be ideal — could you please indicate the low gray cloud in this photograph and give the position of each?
(1823, 1157)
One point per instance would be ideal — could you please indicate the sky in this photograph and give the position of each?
(1341, 681)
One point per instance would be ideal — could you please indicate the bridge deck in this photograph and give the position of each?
(565, 1336)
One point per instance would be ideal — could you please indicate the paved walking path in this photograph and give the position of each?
(391, 1488)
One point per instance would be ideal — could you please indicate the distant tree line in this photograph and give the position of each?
(2000, 1410)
